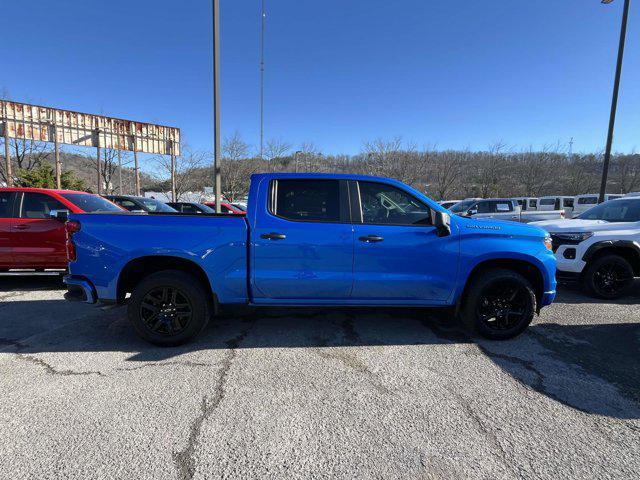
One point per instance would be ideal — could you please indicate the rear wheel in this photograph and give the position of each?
(169, 308)
(609, 277)
(500, 304)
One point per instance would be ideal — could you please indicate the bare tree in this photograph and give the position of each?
(445, 172)
(627, 172)
(235, 172)
(276, 148)
(188, 169)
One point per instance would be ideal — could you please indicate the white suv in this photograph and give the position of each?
(601, 247)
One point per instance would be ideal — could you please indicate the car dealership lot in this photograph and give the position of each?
(316, 393)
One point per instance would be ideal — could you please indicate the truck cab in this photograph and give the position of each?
(557, 203)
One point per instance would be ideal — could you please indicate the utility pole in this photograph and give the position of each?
(570, 148)
(98, 162)
(263, 15)
(216, 101)
(614, 100)
(119, 171)
(56, 157)
(7, 155)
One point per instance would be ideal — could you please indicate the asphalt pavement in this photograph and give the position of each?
(316, 394)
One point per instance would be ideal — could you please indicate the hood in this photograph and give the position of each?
(500, 227)
(578, 225)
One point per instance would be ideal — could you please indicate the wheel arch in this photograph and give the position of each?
(141, 267)
(525, 268)
(627, 249)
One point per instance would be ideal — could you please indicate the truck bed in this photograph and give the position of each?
(218, 243)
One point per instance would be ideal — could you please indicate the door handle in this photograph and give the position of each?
(273, 236)
(371, 238)
(22, 227)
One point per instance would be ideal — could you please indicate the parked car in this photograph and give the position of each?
(600, 248)
(313, 240)
(527, 204)
(502, 209)
(140, 204)
(448, 203)
(29, 237)
(557, 203)
(226, 208)
(582, 203)
(632, 194)
(190, 207)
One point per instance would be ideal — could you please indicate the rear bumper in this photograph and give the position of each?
(79, 289)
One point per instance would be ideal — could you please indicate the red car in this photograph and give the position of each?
(29, 237)
(226, 208)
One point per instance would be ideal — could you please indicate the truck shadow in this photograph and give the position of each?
(592, 368)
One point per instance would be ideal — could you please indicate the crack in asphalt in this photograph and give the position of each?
(52, 370)
(184, 460)
(352, 338)
(184, 363)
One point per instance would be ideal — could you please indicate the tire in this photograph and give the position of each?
(608, 277)
(499, 304)
(163, 317)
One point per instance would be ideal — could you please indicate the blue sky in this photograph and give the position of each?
(338, 72)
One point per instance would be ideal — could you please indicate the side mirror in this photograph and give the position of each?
(442, 222)
(60, 215)
(472, 212)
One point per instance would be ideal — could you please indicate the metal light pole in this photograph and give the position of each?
(614, 100)
(263, 15)
(216, 101)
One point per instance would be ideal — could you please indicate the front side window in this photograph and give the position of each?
(128, 204)
(153, 205)
(39, 205)
(534, 203)
(386, 205)
(307, 200)
(548, 201)
(614, 211)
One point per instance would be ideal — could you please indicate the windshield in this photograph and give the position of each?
(91, 203)
(463, 206)
(614, 211)
(154, 205)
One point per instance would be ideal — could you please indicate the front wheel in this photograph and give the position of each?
(500, 304)
(609, 277)
(168, 308)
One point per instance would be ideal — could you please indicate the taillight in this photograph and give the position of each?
(561, 213)
(70, 228)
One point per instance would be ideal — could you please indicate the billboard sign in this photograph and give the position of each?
(46, 124)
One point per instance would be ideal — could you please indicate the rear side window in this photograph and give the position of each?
(568, 202)
(91, 203)
(127, 204)
(534, 203)
(39, 205)
(587, 200)
(5, 205)
(548, 201)
(503, 207)
(307, 200)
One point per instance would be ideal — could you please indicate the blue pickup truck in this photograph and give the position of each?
(311, 240)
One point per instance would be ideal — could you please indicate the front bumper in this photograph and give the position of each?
(79, 289)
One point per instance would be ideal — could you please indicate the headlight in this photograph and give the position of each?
(548, 243)
(572, 237)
